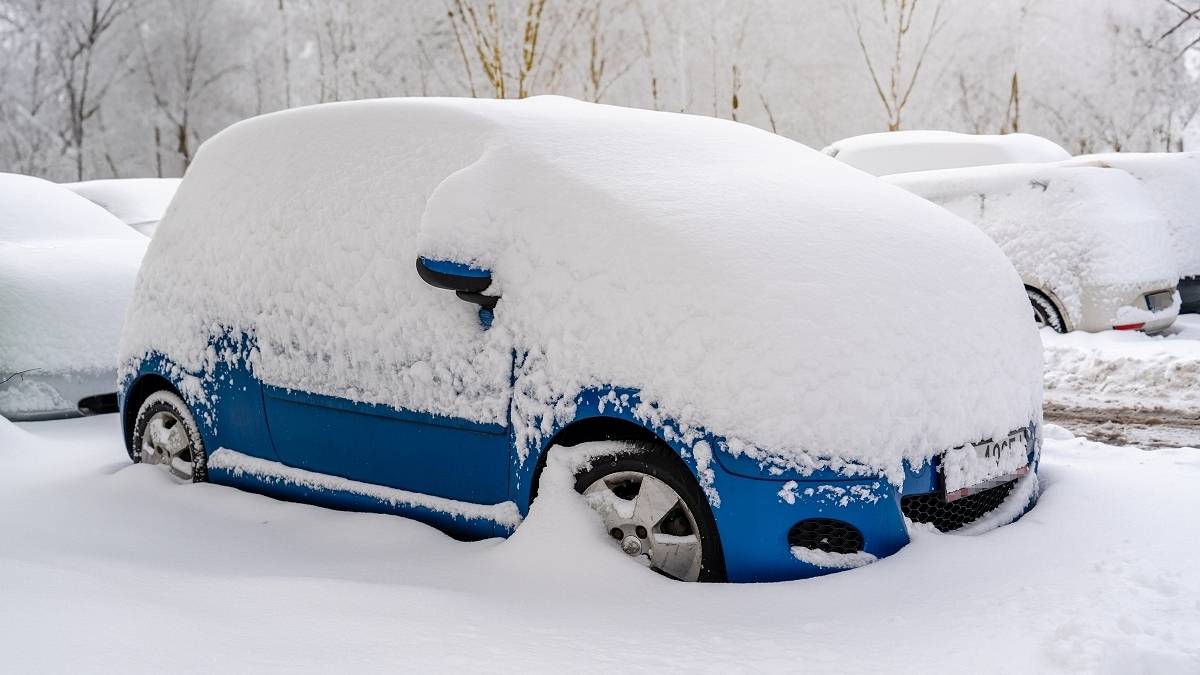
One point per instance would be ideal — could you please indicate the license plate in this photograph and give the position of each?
(1157, 302)
(975, 467)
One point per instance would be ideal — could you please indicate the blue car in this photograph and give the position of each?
(402, 306)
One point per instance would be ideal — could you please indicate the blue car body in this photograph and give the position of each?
(414, 464)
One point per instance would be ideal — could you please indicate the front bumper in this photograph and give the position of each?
(757, 513)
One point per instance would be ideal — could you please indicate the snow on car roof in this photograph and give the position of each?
(138, 202)
(34, 209)
(1063, 227)
(742, 282)
(67, 269)
(892, 152)
(1173, 180)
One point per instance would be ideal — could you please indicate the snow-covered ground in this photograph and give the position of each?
(107, 566)
(1127, 387)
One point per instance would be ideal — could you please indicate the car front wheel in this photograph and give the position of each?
(165, 436)
(655, 513)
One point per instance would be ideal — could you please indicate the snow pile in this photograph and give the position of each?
(1072, 230)
(1100, 577)
(1125, 368)
(139, 202)
(906, 151)
(708, 264)
(67, 269)
(1173, 181)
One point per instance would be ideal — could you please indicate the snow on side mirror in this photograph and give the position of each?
(466, 281)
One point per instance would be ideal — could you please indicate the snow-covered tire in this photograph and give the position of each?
(656, 531)
(165, 435)
(1045, 313)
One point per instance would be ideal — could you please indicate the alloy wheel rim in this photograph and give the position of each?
(650, 521)
(165, 444)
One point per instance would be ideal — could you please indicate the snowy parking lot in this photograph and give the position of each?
(108, 562)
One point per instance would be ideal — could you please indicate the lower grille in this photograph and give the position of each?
(823, 534)
(947, 516)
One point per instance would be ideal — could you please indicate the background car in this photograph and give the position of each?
(586, 276)
(1173, 180)
(67, 269)
(892, 152)
(139, 202)
(1091, 246)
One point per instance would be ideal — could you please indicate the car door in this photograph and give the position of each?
(412, 446)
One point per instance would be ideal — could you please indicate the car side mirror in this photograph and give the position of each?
(467, 282)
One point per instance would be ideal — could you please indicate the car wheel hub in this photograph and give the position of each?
(650, 521)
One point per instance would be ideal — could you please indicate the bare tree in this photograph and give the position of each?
(1190, 19)
(180, 66)
(516, 46)
(82, 37)
(895, 22)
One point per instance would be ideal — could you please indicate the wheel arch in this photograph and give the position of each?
(1050, 297)
(138, 391)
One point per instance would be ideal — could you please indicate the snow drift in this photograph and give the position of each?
(742, 282)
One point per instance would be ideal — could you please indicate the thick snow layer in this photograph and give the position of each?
(139, 202)
(906, 151)
(1125, 368)
(1083, 233)
(709, 264)
(67, 269)
(1173, 180)
(1100, 577)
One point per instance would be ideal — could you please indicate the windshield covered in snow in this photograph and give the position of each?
(742, 282)
(904, 151)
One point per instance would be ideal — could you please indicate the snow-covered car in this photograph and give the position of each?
(67, 269)
(891, 152)
(1090, 245)
(772, 359)
(1173, 180)
(139, 202)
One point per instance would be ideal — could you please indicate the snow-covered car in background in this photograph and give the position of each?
(891, 152)
(1091, 246)
(670, 293)
(67, 269)
(1173, 180)
(1093, 250)
(139, 202)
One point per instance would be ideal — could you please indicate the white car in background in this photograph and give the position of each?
(138, 202)
(67, 269)
(1173, 180)
(1090, 244)
(907, 151)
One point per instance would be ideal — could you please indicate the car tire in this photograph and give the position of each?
(1045, 313)
(663, 508)
(165, 435)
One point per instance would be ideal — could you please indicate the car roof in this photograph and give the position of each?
(894, 152)
(33, 209)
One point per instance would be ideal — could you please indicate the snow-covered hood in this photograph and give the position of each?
(1064, 228)
(745, 284)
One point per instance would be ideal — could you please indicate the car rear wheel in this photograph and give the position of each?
(165, 436)
(1045, 314)
(655, 513)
